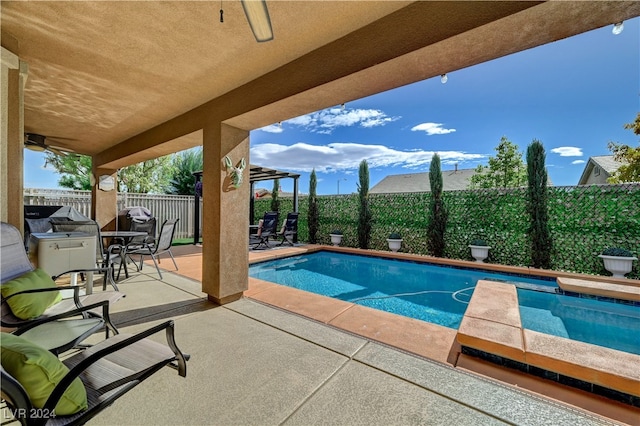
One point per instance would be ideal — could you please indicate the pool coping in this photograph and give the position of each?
(600, 288)
(492, 324)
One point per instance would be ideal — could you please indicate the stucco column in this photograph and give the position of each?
(225, 215)
(14, 75)
(104, 203)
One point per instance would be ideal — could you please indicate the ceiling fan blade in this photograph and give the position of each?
(36, 142)
(258, 17)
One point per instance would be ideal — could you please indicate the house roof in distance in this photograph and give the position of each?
(606, 164)
(452, 180)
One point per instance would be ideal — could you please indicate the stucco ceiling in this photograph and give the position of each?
(104, 74)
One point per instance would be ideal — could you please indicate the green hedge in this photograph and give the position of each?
(583, 221)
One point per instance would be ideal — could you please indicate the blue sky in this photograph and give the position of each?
(573, 95)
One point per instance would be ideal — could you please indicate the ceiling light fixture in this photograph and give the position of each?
(617, 28)
(34, 142)
(443, 78)
(258, 17)
(36, 148)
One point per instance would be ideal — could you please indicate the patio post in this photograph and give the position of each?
(104, 198)
(14, 77)
(225, 215)
(252, 202)
(196, 210)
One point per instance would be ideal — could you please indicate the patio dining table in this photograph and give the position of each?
(126, 237)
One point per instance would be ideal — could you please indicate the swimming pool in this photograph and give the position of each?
(603, 323)
(427, 292)
(440, 295)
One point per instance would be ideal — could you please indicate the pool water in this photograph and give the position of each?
(440, 295)
(603, 323)
(431, 293)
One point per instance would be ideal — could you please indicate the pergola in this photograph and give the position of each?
(256, 174)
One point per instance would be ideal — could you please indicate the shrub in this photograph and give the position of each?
(478, 242)
(617, 251)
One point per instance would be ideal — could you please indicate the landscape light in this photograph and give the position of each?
(444, 78)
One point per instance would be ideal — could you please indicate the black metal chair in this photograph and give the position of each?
(289, 230)
(154, 247)
(266, 230)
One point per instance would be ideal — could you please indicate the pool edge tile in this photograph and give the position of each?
(496, 302)
(600, 288)
(595, 364)
(492, 337)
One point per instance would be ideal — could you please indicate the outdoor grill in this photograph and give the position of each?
(137, 219)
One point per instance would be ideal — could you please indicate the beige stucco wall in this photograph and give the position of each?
(14, 74)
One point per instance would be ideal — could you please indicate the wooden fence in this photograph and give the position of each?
(162, 206)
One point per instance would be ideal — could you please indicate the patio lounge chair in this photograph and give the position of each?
(40, 389)
(289, 231)
(62, 332)
(266, 230)
(29, 296)
(154, 247)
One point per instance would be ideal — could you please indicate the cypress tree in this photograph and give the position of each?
(437, 215)
(313, 215)
(364, 216)
(275, 202)
(539, 233)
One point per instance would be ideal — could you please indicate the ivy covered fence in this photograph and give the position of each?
(584, 220)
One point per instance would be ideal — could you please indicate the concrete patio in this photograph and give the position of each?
(253, 364)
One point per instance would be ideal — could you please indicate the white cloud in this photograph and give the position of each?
(578, 162)
(337, 156)
(327, 120)
(568, 151)
(272, 128)
(432, 129)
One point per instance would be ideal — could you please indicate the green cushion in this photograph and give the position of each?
(30, 305)
(39, 371)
